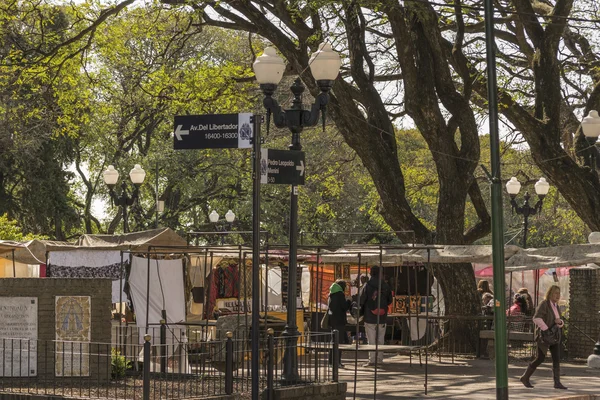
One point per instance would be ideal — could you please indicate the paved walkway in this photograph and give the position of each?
(465, 379)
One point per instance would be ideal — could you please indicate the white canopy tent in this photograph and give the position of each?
(516, 258)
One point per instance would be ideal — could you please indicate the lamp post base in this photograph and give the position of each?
(290, 374)
(593, 361)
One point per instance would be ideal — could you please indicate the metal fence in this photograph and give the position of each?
(179, 368)
(444, 337)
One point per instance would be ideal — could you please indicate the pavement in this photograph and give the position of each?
(464, 379)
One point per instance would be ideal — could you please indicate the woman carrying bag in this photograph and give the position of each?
(338, 305)
(548, 327)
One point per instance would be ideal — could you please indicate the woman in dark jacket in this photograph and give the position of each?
(546, 316)
(338, 305)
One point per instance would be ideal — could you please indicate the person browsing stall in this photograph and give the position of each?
(375, 298)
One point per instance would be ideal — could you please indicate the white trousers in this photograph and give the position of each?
(375, 337)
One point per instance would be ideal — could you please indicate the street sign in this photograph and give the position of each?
(282, 167)
(212, 131)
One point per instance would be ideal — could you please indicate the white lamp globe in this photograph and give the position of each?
(213, 216)
(542, 187)
(230, 216)
(269, 67)
(594, 238)
(110, 175)
(325, 63)
(137, 174)
(591, 125)
(513, 186)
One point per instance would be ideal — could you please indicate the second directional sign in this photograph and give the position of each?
(282, 167)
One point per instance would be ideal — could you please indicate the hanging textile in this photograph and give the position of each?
(231, 280)
(166, 292)
(198, 271)
(90, 264)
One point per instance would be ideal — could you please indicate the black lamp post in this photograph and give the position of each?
(268, 68)
(513, 187)
(111, 176)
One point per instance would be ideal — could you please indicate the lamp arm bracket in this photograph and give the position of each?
(310, 118)
(113, 196)
(538, 206)
(274, 110)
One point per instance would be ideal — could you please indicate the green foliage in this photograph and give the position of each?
(10, 230)
(118, 364)
(109, 98)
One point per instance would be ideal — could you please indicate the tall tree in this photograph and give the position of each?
(424, 60)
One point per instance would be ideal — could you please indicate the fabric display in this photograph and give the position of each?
(199, 271)
(90, 264)
(109, 271)
(199, 268)
(167, 288)
(226, 281)
(228, 278)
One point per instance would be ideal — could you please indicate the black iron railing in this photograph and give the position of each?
(171, 365)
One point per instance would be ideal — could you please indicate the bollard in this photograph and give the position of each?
(270, 366)
(163, 346)
(335, 358)
(146, 384)
(229, 364)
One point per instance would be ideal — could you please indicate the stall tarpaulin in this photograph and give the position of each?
(167, 288)
(136, 241)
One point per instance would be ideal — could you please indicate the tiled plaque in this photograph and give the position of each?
(73, 320)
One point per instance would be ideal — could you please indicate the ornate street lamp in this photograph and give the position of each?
(591, 130)
(513, 186)
(111, 176)
(268, 68)
(213, 217)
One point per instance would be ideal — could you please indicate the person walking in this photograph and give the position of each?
(375, 298)
(338, 306)
(546, 316)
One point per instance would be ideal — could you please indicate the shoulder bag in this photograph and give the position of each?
(551, 336)
(325, 320)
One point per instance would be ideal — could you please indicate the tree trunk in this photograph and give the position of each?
(457, 282)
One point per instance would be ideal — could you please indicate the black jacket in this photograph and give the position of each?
(370, 299)
(338, 306)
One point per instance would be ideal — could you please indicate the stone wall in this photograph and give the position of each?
(320, 391)
(46, 289)
(584, 305)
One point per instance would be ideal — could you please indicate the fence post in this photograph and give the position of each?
(229, 364)
(163, 346)
(336, 354)
(146, 385)
(270, 363)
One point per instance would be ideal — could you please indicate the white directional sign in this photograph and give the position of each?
(284, 167)
(213, 131)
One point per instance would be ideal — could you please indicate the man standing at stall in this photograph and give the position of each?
(375, 298)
